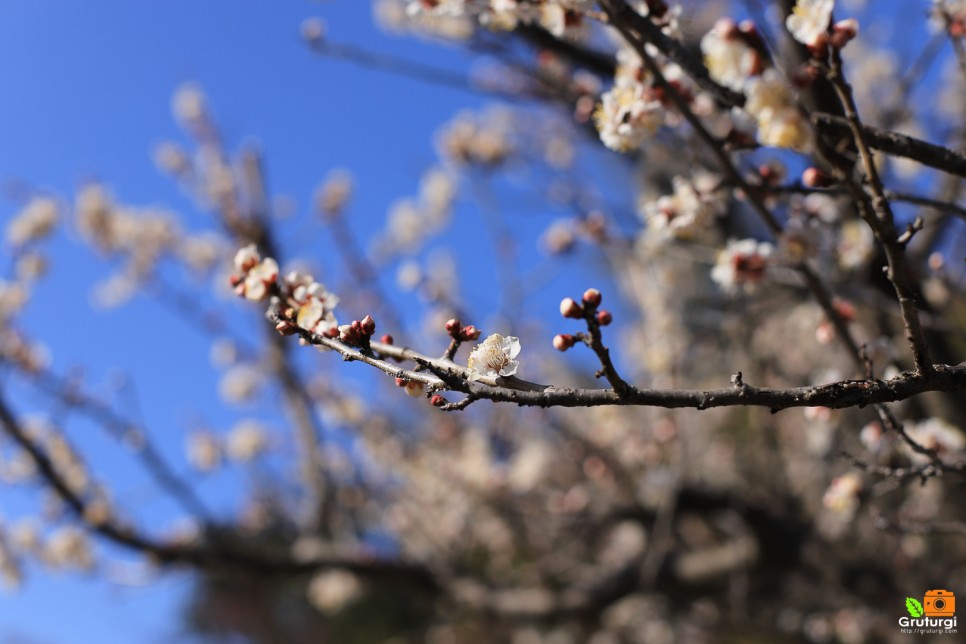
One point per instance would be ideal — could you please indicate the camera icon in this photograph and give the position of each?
(939, 603)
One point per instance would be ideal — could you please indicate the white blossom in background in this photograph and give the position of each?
(68, 548)
(935, 434)
(13, 297)
(809, 21)
(728, 57)
(741, 265)
(189, 105)
(842, 496)
(35, 221)
(495, 356)
(333, 590)
(204, 451)
(780, 124)
(627, 116)
(240, 383)
(246, 441)
(691, 209)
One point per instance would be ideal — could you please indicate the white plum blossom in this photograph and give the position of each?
(842, 496)
(935, 434)
(255, 274)
(495, 356)
(780, 124)
(627, 116)
(313, 303)
(808, 23)
(728, 57)
(333, 590)
(741, 264)
(691, 209)
(245, 441)
(36, 220)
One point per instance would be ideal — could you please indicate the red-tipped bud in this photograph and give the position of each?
(234, 280)
(843, 32)
(592, 298)
(437, 400)
(453, 327)
(819, 48)
(604, 317)
(570, 309)
(350, 333)
(401, 382)
(331, 333)
(386, 339)
(368, 326)
(469, 333)
(563, 341)
(285, 327)
(815, 178)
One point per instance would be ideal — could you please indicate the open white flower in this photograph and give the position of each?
(495, 356)
(809, 20)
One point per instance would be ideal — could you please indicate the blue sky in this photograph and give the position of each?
(87, 90)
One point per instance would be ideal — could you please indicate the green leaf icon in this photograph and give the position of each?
(914, 607)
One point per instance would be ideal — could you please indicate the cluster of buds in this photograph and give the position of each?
(461, 333)
(359, 332)
(307, 305)
(255, 275)
(588, 310)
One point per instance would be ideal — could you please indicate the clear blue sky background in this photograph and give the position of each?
(86, 92)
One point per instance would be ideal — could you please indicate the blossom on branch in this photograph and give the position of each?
(808, 23)
(255, 274)
(495, 356)
(741, 264)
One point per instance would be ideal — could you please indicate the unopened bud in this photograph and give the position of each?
(285, 327)
(563, 341)
(234, 280)
(401, 382)
(368, 326)
(453, 327)
(437, 400)
(570, 309)
(386, 339)
(414, 389)
(469, 333)
(604, 317)
(843, 32)
(331, 333)
(592, 298)
(815, 178)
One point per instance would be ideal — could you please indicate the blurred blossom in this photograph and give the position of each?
(842, 496)
(204, 451)
(240, 384)
(935, 434)
(33, 222)
(246, 441)
(741, 265)
(333, 590)
(690, 210)
(171, 159)
(333, 195)
(809, 20)
(68, 548)
(189, 104)
(528, 466)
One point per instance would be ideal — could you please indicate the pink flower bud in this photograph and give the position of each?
(401, 382)
(453, 327)
(592, 298)
(285, 327)
(570, 309)
(469, 333)
(331, 333)
(563, 341)
(386, 339)
(843, 32)
(815, 178)
(235, 280)
(604, 317)
(437, 400)
(368, 326)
